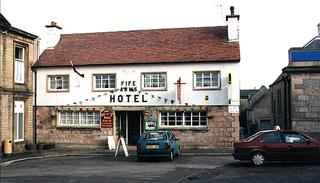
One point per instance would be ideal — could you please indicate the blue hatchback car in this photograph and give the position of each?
(158, 144)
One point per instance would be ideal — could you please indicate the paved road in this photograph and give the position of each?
(105, 169)
(184, 170)
(270, 173)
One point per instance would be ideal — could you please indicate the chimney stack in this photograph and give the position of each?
(53, 34)
(233, 25)
(318, 28)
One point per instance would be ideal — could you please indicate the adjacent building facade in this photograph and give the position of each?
(18, 52)
(93, 85)
(259, 112)
(296, 92)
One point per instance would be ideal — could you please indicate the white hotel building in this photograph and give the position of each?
(182, 79)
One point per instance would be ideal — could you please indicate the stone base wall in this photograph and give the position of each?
(221, 133)
(48, 132)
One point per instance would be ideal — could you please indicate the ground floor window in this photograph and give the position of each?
(79, 119)
(18, 119)
(183, 119)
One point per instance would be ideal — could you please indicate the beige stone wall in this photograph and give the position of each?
(306, 102)
(222, 131)
(48, 132)
(10, 91)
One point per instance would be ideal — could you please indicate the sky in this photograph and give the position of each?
(268, 28)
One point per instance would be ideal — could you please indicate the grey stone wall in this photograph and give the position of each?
(306, 102)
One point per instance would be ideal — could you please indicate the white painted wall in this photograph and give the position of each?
(81, 88)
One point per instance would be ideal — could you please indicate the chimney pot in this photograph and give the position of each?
(232, 10)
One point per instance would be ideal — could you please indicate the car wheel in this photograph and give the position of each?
(171, 156)
(257, 159)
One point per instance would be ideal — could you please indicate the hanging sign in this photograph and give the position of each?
(107, 119)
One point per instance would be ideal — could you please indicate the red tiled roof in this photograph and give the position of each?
(203, 44)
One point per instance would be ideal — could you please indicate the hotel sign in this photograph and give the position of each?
(127, 93)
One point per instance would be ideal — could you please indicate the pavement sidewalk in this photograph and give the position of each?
(60, 152)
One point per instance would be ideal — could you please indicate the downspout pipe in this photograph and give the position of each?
(35, 97)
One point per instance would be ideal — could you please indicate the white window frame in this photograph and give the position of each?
(63, 89)
(101, 82)
(79, 119)
(18, 109)
(183, 125)
(19, 66)
(211, 85)
(153, 74)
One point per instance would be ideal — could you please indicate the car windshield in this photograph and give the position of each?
(252, 137)
(154, 135)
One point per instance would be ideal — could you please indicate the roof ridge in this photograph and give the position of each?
(141, 30)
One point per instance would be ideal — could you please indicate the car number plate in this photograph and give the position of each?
(152, 146)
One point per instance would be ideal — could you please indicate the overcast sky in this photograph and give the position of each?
(268, 28)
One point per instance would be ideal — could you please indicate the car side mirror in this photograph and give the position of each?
(308, 141)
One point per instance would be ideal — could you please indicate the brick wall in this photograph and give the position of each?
(306, 102)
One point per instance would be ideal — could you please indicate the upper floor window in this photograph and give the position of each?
(58, 83)
(104, 81)
(154, 81)
(19, 64)
(206, 80)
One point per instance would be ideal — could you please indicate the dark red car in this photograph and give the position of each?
(276, 145)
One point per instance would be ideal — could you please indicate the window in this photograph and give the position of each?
(58, 83)
(154, 81)
(19, 64)
(79, 119)
(18, 121)
(294, 138)
(104, 81)
(206, 80)
(271, 138)
(183, 119)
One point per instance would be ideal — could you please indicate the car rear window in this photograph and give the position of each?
(155, 135)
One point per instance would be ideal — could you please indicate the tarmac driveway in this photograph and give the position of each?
(106, 169)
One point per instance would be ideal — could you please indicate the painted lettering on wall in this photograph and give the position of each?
(129, 88)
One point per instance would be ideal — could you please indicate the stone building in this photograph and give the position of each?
(259, 112)
(18, 51)
(245, 96)
(296, 92)
(93, 85)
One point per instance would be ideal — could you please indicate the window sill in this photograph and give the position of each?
(199, 89)
(18, 140)
(79, 127)
(185, 128)
(103, 89)
(154, 89)
(57, 91)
